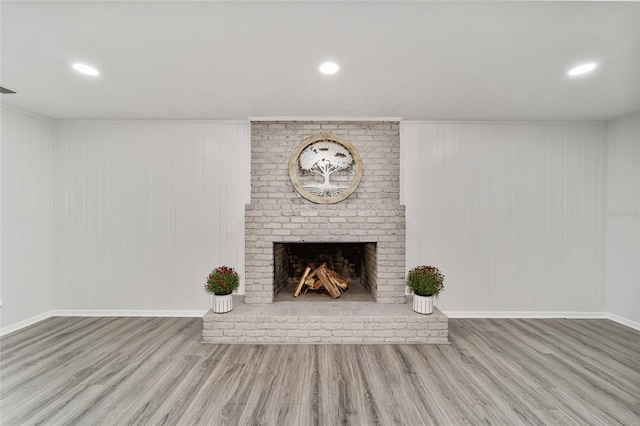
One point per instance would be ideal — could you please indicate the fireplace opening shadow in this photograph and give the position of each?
(355, 293)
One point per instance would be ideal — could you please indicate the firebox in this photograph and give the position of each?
(353, 262)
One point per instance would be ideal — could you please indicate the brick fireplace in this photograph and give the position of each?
(279, 219)
(278, 214)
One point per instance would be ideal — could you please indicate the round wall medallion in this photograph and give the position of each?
(325, 169)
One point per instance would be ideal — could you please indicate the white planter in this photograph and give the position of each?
(222, 303)
(423, 304)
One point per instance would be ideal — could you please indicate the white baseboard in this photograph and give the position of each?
(624, 321)
(24, 323)
(126, 313)
(525, 314)
(199, 313)
(95, 313)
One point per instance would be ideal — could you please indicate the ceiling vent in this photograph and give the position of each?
(6, 91)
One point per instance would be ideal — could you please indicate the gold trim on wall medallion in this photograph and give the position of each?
(294, 167)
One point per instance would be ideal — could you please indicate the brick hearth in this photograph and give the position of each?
(322, 322)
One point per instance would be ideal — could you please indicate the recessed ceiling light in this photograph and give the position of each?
(582, 69)
(85, 69)
(328, 68)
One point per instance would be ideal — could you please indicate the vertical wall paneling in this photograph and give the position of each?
(511, 212)
(514, 213)
(2, 114)
(27, 217)
(623, 219)
(144, 210)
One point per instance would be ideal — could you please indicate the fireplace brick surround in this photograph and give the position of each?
(278, 214)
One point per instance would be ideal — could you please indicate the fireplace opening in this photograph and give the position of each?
(355, 262)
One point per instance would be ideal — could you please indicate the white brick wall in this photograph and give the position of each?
(277, 213)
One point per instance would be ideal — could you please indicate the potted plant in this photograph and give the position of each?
(221, 282)
(425, 282)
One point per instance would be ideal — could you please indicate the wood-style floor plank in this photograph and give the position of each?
(155, 371)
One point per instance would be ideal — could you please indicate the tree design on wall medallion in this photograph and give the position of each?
(325, 169)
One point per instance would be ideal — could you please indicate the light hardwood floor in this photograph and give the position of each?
(155, 371)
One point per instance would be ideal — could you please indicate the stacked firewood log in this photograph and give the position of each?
(336, 262)
(321, 278)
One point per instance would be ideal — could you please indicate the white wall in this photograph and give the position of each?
(623, 219)
(512, 213)
(144, 210)
(26, 252)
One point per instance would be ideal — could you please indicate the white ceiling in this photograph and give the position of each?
(233, 60)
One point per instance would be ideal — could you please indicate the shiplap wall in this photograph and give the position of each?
(511, 213)
(623, 219)
(144, 210)
(26, 253)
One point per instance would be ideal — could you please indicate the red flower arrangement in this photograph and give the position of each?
(222, 280)
(425, 281)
